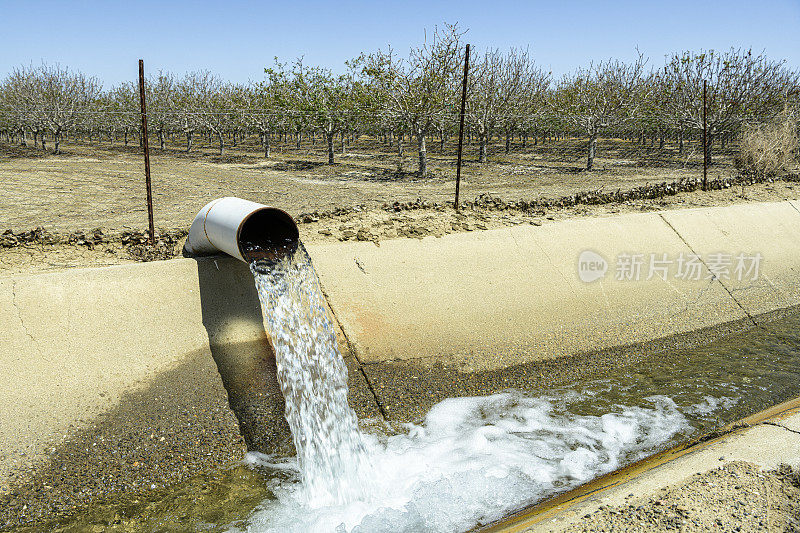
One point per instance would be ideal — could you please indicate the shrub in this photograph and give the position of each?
(770, 148)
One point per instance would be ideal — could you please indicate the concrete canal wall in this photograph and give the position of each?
(420, 320)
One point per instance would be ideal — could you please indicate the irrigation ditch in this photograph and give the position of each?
(417, 320)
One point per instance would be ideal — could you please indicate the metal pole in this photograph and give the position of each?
(146, 155)
(461, 126)
(705, 145)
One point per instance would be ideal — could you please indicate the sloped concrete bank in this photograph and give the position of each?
(503, 307)
(120, 378)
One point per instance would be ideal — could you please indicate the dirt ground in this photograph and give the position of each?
(377, 223)
(362, 197)
(735, 497)
(91, 186)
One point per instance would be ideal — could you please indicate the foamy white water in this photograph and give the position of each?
(472, 461)
(313, 377)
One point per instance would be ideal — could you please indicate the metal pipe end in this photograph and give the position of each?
(268, 234)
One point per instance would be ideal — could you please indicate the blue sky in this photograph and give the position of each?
(236, 40)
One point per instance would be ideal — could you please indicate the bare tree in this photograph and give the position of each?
(600, 96)
(160, 92)
(741, 85)
(62, 98)
(190, 103)
(504, 90)
(417, 91)
(263, 104)
(21, 106)
(209, 101)
(321, 98)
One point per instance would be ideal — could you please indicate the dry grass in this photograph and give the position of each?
(769, 149)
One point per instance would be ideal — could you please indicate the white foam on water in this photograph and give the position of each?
(472, 461)
(710, 405)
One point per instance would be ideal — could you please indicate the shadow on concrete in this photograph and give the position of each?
(232, 312)
(176, 425)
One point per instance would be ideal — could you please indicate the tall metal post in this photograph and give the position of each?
(705, 138)
(146, 147)
(461, 126)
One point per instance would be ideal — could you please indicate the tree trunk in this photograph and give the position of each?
(508, 142)
(423, 155)
(592, 149)
(299, 139)
(44, 145)
(329, 140)
(23, 141)
(399, 153)
(482, 148)
(126, 136)
(161, 139)
(57, 142)
(189, 139)
(221, 142)
(265, 142)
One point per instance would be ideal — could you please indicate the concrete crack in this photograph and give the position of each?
(699, 297)
(352, 350)
(781, 426)
(714, 278)
(360, 267)
(19, 315)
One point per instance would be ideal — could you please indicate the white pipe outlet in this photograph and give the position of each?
(238, 227)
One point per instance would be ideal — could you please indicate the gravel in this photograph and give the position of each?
(738, 496)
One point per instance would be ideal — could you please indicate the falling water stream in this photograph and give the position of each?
(313, 377)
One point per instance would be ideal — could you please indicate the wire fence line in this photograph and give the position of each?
(550, 145)
(533, 170)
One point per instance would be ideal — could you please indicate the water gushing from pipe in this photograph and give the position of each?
(313, 379)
